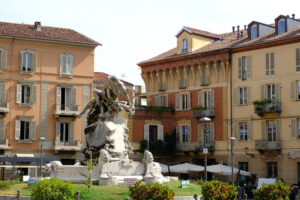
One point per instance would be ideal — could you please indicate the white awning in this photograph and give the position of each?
(185, 168)
(164, 168)
(225, 170)
(27, 155)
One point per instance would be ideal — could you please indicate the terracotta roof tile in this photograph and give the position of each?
(47, 33)
(100, 77)
(204, 33)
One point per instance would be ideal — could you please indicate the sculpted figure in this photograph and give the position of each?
(148, 160)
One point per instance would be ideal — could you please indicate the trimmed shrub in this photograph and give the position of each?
(158, 147)
(52, 189)
(155, 191)
(143, 145)
(276, 191)
(4, 185)
(217, 190)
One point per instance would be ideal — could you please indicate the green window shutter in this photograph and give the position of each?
(34, 61)
(262, 92)
(33, 131)
(267, 64)
(272, 65)
(235, 130)
(160, 132)
(72, 134)
(58, 131)
(293, 90)
(294, 128)
(188, 100)
(63, 64)
(277, 92)
(235, 98)
(58, 95)
(249, 126)
(2, 131)
(263, 129)
(17, 129)
(249, 95)
(3, 59)
(200, 133)
(2, 94)
(212, 98)
(278, 129)
(33, 94)
(240, 68)
(73, 97)
(19, 93)
(69, 64)
(189, 136)
(146, 132)
(249, 67)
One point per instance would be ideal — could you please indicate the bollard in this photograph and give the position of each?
(78, 195)
(18, 194)
(196, 197)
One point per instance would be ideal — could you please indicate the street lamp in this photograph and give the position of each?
(41, 161)
(232, 158)
(205, 151)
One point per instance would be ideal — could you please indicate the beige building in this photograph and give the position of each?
(46, 75)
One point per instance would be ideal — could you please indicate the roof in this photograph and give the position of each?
(28, 31)
(100, 77)
(198, 32)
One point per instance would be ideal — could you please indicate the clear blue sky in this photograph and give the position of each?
(135, 30)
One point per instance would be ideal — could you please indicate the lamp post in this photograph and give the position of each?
(205, 119)
(41, 161)
(232, 159)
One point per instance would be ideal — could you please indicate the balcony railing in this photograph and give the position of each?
(198, 113)
(195, 146)
(162, 86)
(64, 111)
(181, 84)
(4, 107)
(264, 145)
(273, 107)
(67, 146)
(4, 144)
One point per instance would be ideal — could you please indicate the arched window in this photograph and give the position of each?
(281, 26)
(184, 45)
(254, 32)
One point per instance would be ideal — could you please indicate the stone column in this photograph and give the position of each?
(153, 75)
(208, 73)
(216, 72)
(224, 71)
(193, 70)
(164, 78)
(146, 81)
(201, 74)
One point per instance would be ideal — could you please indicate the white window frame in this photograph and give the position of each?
(184, 47)
(270, 64)
(22, 98)
(19, 131)
(161, 100)
(243, 131)
(244, 68)
(271, 92)
(207, 99)
(184, 133)
(27, 67)
(26, 123)
(271, 126)
(243, 94)
(66, 64)
(183, 101)
(63, 127)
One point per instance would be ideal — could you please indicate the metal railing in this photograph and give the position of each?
(266, 145)
(209, 112)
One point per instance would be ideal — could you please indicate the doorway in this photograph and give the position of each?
(152, 136)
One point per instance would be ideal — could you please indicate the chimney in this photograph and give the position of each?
(245, 27)
(293, 15)
(37, 26)
(288, 16)
(233, 29)
(242, 34)
(238, 32)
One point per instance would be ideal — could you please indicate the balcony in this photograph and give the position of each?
(266, 106)
(67, 146)
(204, 82)
(162, 86)
(195, 146)
(62, 111)
(199, 113)
(3, 144)
(264, 145)
(4, 108)
(181, 84)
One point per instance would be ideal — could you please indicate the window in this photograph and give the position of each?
(244, 68)
(243, 127)
(206, 99)
(2, 59)
(298, 129)
(66, 98)
(281, 26)
(66, 64)
(184, 45)
(26, 94)
(183, 101)
(270, 68)
(271, 94)
(244, 166)
(298, 60)
(25, 126)
(271, 131)
(243, 96)
(161, 100)
(208, 135)
(254, 32)
(64, 132)
(272, 170)
(298, 90)
(28, 61)
(185, 132)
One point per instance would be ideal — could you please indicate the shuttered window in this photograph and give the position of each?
(65, 133)
(183, 133)
(183, 101)
(25, 129)
(3, 58)
(66, 64)
(298, 60)
(28, 61)
(295, 128)
(244, 68)
(161, 100)
(26, 94)
(243, 96)
(270, 64)
(206, 99)
(243, 130)
(66, 98)
(271, 131)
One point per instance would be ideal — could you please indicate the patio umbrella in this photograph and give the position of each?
(225, 170)
(185, 168)
(164, 168)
